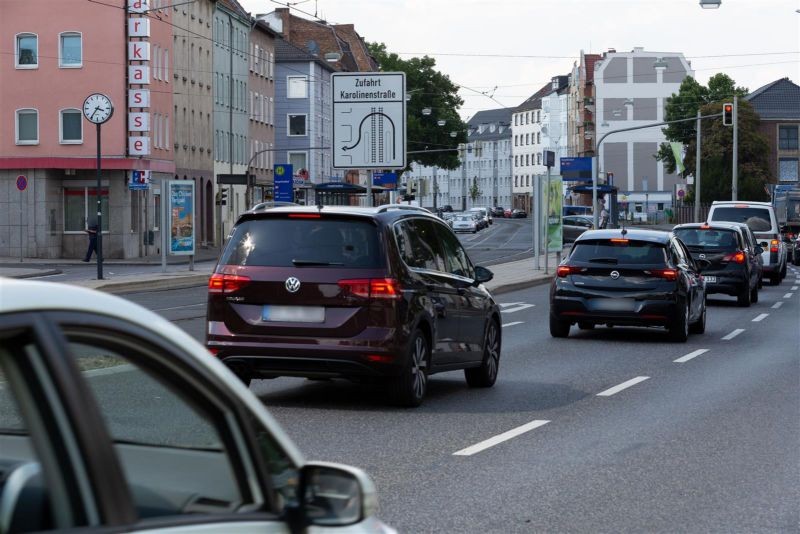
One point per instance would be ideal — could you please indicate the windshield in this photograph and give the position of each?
(758, 219)
(701, 238)
(623, 252)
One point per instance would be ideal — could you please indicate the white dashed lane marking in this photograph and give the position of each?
(733, 334)
(500, 438)
(788, 295)
(511, 307)
(794, 288)
(760, 318)
(691, 355)
(777, 305)
(512, 324)
(624, 385)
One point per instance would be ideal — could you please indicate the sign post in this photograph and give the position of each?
(22, 185)
(369, 121)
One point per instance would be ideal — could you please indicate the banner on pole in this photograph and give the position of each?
(181, 218)
(555, 203)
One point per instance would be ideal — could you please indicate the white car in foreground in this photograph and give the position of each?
(112, 419)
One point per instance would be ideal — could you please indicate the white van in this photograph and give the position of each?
(760, 217)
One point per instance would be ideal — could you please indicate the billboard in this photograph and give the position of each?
(181, 217)
(283, 183)
(555, 200)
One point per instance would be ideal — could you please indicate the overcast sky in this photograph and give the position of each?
(755, 41)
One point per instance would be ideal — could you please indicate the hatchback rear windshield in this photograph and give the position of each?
(620, 252)
(757, 219)
(699, 238)
(304, 242)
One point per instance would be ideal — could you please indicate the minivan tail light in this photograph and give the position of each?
(666, 274)
(773, 245)
(226, 283)
(736, 257)
(371, 288)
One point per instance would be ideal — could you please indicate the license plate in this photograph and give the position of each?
(710, 279)
(614, 304)
(293, 314)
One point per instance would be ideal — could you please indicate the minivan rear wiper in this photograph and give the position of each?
(612, 261)
(315, 262)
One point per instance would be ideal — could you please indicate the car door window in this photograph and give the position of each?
(457, 261)
(418, 244)
(175, 448)
(678, 257)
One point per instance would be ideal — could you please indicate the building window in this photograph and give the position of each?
(70, 50)
(787, 137)
(539, 138)
(297, 87)
(298, 161)
(27, 53)
(296, 125)
(788, 170)
(70, 127)
(79, 203)
(539, 159)
(27, 127)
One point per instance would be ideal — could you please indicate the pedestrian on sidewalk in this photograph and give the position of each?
(92, 231)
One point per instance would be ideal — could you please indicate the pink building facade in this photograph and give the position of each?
(50, 63)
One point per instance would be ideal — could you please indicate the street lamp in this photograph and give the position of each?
(710, 4)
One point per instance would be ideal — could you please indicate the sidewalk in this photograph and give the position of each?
(508, 277)
(201, 254)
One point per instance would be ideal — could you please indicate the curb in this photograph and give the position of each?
(142, 286)
(516, 286)
(49, 272)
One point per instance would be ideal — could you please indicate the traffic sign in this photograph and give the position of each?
(681, 193)
(369, 120)
(22, 182)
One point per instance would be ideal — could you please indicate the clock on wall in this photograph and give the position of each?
(97, 108)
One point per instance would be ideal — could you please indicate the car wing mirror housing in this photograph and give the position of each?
(759, 250)
(335, 495)
(482, 274)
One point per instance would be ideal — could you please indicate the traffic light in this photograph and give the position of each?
(727, 114)
(222, 197)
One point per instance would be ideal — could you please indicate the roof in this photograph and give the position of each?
(535, 100)
(712, 224)
(33, 296)
(384, 211)
(234, 7)
(499, 117)
(777, 100)
(286, 52)
(655, 236)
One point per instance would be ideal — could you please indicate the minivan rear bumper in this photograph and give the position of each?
(373, 353)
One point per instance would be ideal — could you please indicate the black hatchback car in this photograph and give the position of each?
(734, 259)
(382, 293)
(628, 278)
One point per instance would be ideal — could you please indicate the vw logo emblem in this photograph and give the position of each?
(292, 284)
(702, 256)
(614, 274)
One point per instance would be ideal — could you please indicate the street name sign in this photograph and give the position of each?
(369, 120)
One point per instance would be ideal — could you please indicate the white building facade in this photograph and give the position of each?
(631, 90)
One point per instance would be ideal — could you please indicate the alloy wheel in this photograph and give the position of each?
(418, 366)
(492, 350)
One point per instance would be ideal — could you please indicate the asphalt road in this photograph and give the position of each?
(707, 443)
(505, 240)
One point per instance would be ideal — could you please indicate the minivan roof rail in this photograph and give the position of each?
(386, 207)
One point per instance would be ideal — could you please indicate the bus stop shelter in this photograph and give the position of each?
(609, 192)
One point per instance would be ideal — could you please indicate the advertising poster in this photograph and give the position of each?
(555, 199)
(283, 183)
(181, 218)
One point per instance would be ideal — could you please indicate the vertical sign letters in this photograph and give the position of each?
(138, 75)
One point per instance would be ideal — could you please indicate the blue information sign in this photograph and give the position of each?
(385, 179)
(283, 183)
(576, 169)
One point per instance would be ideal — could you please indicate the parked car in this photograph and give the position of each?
(519, 214)
(485, 213)
(447, 208)
(112, 419)
(448, 217)
(465, 223)
(384, 294)
(796, 247)
(507, 213)
(575, 225)
(734, 260)
(628, 278)
(760, 217)
(498, 211)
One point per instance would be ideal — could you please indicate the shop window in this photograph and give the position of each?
(79, 203)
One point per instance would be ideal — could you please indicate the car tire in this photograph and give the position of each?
(760, 281)
(679, 329)
(699, 326)
(474, 231)
(241, 373)
(410, 387)
(586, 326)
(558, 328)
(783, 270)
(775, 279)
(754, 295)
(744, 298)
(486, 375)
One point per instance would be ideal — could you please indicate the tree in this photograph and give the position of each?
(474, 190)
(427, 88)
(717, 140)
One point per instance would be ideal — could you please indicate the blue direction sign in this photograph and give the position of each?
(576, 169)
(283, 183)
(22, 182)
(385, 179)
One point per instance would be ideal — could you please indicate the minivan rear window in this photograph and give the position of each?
(700, 238)
(325, 242)
(758, 219)
(619, 252)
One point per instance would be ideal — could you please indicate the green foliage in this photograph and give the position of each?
(428, 88)
(474, 190)
(717, 140)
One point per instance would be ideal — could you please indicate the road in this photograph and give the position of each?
(505, 240)
(704, 438)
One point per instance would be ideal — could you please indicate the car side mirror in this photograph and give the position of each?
(764, 245)
(759, 250)
(335, 495)
(482, 274)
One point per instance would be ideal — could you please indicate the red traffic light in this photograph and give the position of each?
(728, 108)
(727, 114)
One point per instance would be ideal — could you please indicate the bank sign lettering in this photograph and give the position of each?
(138, 76)
(369, 120)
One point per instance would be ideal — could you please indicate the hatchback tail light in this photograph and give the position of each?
(565, 270)
(226, 283)
(371, 288)
(666, 274)
(736, 257)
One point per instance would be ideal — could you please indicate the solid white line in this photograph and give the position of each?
(777, 305)
(512, 324)
(788, 295)
(624, 385)
(760, 318)
(500, 438)
(691, 355)
(733, 334)
(179, 307)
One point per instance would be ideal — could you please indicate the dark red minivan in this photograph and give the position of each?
(382, 293)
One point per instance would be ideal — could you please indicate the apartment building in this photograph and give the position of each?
(581, 124)
(261, 91)
(526, 128)
(778, 106)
